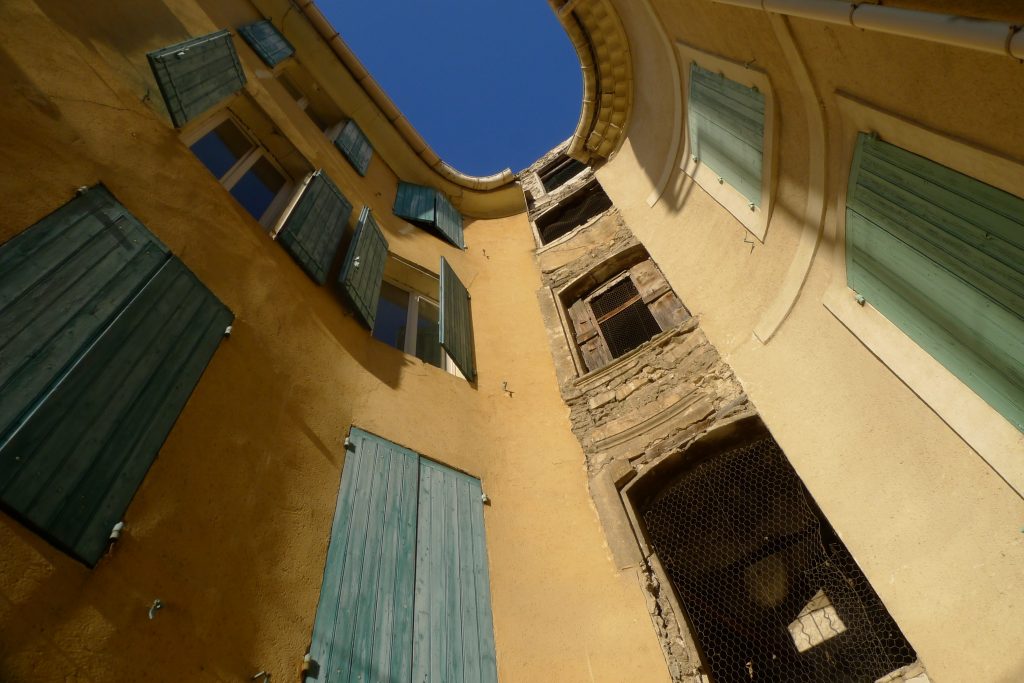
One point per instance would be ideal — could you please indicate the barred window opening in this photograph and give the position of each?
(560, 173)
(624, 319)
(573, 213)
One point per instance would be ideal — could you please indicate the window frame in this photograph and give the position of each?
(754, 218)
(999, 443)
(572, 195)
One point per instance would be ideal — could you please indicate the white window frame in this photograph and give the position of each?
(233, 175)
(992, 436)
(754, 218)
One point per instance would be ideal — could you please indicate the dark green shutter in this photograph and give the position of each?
(456, 324)
(726, 123)
(353, 144)
(315, 226)
(363, 627)
(196, 75)
(941, 255)
(104, 336)
(453, 636)
(266, 41)
(449, 221)
(363, 269)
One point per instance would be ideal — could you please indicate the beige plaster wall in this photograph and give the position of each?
(230, 527)
(933, 526)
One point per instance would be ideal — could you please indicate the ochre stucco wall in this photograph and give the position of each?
(936, 530)
(230, 527)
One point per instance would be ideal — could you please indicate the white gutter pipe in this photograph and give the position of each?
(976, 34)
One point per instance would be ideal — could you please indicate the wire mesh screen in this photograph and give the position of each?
(562, 171)
(770, 591)
(623, 317)
(573, 213)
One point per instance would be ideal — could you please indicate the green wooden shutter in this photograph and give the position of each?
(453, 634)
(456, 324)
(197, 74)
(363, 270)
(104, 336)
(355, 146)
(363, 626)
(449, 221)
(726, 124)
(941, 255)
(266, 41)
(415, 203)
(315, 226)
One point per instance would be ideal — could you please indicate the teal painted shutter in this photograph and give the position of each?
(453, 633)
(456, 324)
(196, 75)
(363, 626)
(355, 146)
(266, 41)
(104, 335)
(449, 221)
(941, 255)
(726, 124)
(315, 226)
(363, 270)
(415, 203)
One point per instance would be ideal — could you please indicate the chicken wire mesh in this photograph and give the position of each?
(770, 592)
(630, 327)
(573, 213)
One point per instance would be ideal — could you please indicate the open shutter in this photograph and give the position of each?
(655, 291)
(364, 620)
(108, 334)
(315, 226)
(941, 255)
(592, 347)
(355, 146)
(197, 74)
(726, 125)
(456, 324)
(363, 270)
(272, 47)
(453, 633)
(415, 203)
(449, 221)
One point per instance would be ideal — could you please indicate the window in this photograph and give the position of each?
(408, 594)
(941, 255)
(577, 210)
(559, 172)
(196, 75)
(623, 312)
(267, 42)
(309, 96)
(105, 334)
(430, 209)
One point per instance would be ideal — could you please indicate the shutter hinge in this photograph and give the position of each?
(79, 191)
(155, 607)
(227, 330)
(859, 298)
(484, 499)
(310, 667)
(348, 444)
(265, 675)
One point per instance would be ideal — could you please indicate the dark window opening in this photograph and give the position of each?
(560, 172)
(624, 318)
(769, 589)
(574, 212)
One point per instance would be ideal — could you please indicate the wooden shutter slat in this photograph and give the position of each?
(456, 323)
(197, 74)
(649, 281)
(926, 250)
(355, 146)
(361, 283)
(668, 310)
(267, 42)
(315, 226)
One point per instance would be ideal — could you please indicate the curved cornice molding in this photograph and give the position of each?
(600, 41)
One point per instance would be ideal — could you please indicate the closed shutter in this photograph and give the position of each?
(726, 124)
(315, 226)
(453, 634)
(196, 75)
(355, 146)
(941, 255)
(364, 620)
(415, 203)
(363, 270)
(456, 324)
(266, 41)
(449, 221)
(104, 336)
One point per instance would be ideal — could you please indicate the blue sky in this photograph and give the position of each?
(489, 84)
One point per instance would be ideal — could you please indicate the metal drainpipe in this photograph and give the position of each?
(984, 35)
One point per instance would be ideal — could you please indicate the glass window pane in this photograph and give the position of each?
(428, 346)
(258, 187)
(221, 148)
(392, 313)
